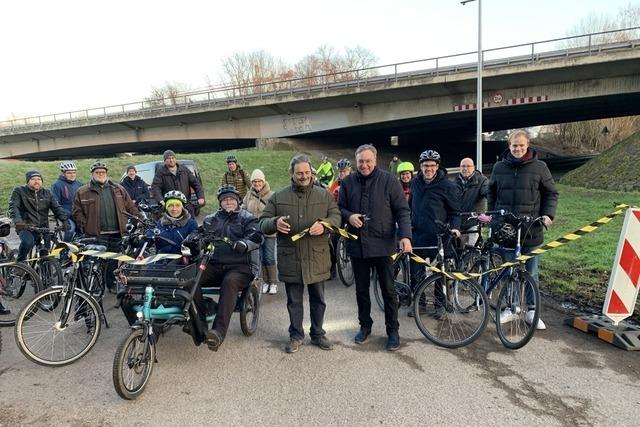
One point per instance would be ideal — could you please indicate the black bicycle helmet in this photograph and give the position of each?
(175, 194)
(98, 165)
(343, 164)
(5, 226)
(430, 155)
(504, 234)
(231, 159)
(68, 166)
(226, 190)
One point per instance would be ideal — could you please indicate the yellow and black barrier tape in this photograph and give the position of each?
(337, 230)
(570, 237)
(55, 252)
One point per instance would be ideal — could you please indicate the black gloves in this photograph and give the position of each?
(239, 246)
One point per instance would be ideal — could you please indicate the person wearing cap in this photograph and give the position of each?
(393, 164)
(232, 267)
(64, 190)
(405, 173)
(136, 187)
(236, 176)
(98, 212)
(29, 205)
(306, 262)
(325, 173)
(174, 177)
(255, 202)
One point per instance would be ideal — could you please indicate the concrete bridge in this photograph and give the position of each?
(435, 95)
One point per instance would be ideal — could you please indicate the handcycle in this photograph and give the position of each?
(62, 324)
(163, 297)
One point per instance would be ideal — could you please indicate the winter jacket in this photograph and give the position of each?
(239, 179)
(524, 187)
(64, 191)
(406, 189)
(378, 195)
(308, 259)
(325, 173)
(32, 207)
(236, 226)
(255, 202)
(473, 195)
(137, 188)
(86, 207)
(436, 200)
(175, 230)
(184, 180)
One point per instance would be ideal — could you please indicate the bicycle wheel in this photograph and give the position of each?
(519, 296)
(50, 272)
(401, 281)
(96, 280)
(19, 283)
(45, 337)
(474, 262)
(450, 313)
(133, 364)
(345, 269)
(250, 310)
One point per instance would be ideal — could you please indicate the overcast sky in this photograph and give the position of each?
(63, 55)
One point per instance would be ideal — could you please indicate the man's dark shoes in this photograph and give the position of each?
(322, 342)
(293, 345)
(4, 311)
(214, 339)
(393, 342)
(362, 336)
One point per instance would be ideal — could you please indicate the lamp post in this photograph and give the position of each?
(479, 101)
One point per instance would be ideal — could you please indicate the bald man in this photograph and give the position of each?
(473, 188)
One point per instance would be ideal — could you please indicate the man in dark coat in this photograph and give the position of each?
(135, 186)
(172, 176)
(523, 185)
(64, 190)
(473, 187)
(372, 202)
(307, 261)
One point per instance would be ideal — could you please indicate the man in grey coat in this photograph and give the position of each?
(306, 261)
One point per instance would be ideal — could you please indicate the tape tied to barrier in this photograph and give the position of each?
(336, 230)
(561, 241)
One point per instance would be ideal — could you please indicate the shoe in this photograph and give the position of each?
(528, 317)
(507, 316)
(265, 288)
(273, 289)
(393, 342)
(4, 311)
(214, 339)
(322, 342)
(362, 336)
(293, 345)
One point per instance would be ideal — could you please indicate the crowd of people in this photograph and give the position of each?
(385, 209)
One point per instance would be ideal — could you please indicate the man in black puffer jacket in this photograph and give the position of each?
(173, 176)
(523, 185)
(135, 186)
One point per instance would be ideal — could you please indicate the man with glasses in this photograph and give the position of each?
(473, 187)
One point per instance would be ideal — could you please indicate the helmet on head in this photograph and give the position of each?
(5, 226)
(405, 167)
(175, 194)
(228, 190)
(324, 158)
(68, 166)
(343, 164)
(231, 159)
(98, 165)
(430, 155)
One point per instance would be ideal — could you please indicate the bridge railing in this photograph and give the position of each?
(225, 95)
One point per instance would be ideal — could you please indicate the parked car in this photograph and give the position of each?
(147, 171)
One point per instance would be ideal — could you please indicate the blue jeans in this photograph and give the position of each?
(532, 266)
(268, 251)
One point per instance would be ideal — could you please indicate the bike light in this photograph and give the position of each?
(139, 315)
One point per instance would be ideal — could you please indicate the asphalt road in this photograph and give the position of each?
(563, 377)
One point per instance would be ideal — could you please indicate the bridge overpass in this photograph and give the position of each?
(542, 86)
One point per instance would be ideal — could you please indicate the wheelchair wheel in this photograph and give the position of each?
(250, 310)
(133, 364)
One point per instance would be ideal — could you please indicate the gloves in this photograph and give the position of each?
(239, 246)
(191, 239)
(485, 219)
(20, 225)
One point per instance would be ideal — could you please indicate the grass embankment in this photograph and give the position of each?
(578, 272)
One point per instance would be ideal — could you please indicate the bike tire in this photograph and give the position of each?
(515, 331)
(97, 279)
(474, 262)
(250, 310)
(129, 358)
(401, 282)
(19, 283)
(50, 272)
(345, 269)
(42, 316)
(447, 323)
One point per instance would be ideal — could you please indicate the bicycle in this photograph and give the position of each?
(62, 324)
(343, 262)
(449, 312)
(48, 268)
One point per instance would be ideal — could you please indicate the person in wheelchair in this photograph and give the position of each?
(231, 267)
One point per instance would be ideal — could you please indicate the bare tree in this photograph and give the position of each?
(171, 93)
(253, 72)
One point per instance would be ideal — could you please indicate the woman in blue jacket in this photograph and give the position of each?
(175, 224)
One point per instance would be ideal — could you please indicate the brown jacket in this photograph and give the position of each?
(86, 208)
